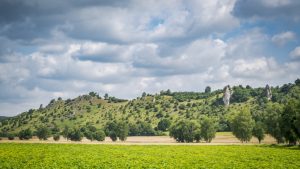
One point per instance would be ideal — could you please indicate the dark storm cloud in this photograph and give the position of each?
(289, 9)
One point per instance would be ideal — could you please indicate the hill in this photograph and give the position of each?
(3, 118)
(144, 113)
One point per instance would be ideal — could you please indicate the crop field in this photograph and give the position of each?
(17, 155)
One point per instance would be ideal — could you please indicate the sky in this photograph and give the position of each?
(51, 49)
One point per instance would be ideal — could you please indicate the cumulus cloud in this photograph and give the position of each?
(262, 68)
(115, 21)
(295, 54)
(64, 49)
(283, 38)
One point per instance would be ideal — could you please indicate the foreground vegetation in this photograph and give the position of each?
(115, 156)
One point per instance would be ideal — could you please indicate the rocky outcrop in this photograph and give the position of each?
(227, 94)
(268, 92)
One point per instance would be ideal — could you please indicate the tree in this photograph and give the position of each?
(93, 94)
(55, 129)
(242, 125)
(272, 121)
(297, 121)
(113, 135)
(287, 123)
(99, 135)
(25, 134)
(89, 131)
(163, 124)
(133, 129)
(207, 89)
(75, 134)
(43, 133)
(259, 131)
(144, 94)
(106, 96)
(297, 82)
(184, 131)
(65, 132)
(56, 137)
(145, 129)
(123, 130)
(208, 129)
(89, 135)
(10, 136)
(197, 135)
(240, 94)
(111, 126)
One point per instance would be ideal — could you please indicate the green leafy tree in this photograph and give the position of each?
(207, 89)
(113, 135)
(43, 133)
(242, 125)
(56, 137)
(208, 128)
(297, 121)
(163, 124)
(240, 94)
(123, 130)
(106, 97)
(145, 129)
(197, 135)
(75, 134)
(288, 121)
(10, 136)
(25, 134)
(89, 135)
(65, 132)
(111, 126)
(184, 131)
(133, 129)
(259, 131)
(99, 135)
(272, 121)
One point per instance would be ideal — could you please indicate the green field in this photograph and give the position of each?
(133, 156)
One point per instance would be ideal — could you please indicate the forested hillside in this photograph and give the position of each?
(153, 114)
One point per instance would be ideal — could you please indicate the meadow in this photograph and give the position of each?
(18, 155)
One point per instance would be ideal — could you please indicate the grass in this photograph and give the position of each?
(224, 133)
(121, 156)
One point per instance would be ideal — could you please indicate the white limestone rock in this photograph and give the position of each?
(227, 94)
(268, 92)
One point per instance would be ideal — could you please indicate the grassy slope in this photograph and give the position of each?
(86, 109)
(113, 156)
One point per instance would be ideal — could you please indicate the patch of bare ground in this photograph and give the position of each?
(220, 139)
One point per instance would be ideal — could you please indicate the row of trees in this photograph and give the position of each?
(282, 123)
(74, 134)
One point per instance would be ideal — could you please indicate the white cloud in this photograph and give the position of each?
(125, 49)
(263, 68)
(249, 44)
(295, 54)
(283, 38)
(148, 21)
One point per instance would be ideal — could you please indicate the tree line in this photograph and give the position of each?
(281, 122)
